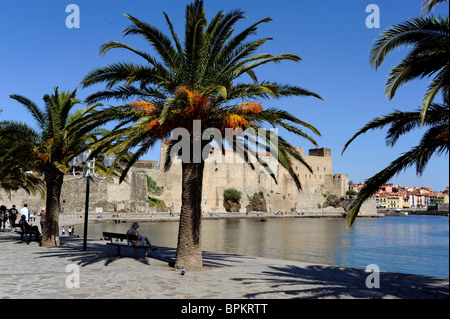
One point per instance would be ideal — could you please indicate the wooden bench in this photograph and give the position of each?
(26, 231)
(123, 240)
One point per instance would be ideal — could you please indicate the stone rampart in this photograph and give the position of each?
(132, 194)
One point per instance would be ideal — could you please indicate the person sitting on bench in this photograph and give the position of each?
(28, 228)
(142, 240)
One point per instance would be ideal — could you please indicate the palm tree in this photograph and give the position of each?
(46, 151)
(429, 37)
(429, 58)
(199, 79)
(435, 141)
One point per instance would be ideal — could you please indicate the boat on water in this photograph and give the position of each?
(401, 212)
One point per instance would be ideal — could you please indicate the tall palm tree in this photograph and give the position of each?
(429, 58)
(199, 79)
(435, 141)
(46, 150)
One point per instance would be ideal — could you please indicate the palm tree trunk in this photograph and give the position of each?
(53, 181)
(189, 251)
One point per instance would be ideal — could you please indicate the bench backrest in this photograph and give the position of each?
(119, 236)
(21, 226)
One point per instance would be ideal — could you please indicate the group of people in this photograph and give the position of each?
(70, 230)
(23, 215)
(9, 217)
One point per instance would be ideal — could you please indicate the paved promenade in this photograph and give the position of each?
(30, 271)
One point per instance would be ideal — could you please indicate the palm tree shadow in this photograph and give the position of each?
(101, 253)
(318, 281)
(223, 259)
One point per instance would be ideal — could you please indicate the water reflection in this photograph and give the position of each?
(413, 244)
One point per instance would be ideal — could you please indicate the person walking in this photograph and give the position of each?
(42, 219)
(24, 211)
(3, 217)
(13, 212)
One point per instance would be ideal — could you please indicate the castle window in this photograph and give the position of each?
(324, 169)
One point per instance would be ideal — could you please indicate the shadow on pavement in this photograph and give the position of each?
(100, 252)
(319, 281)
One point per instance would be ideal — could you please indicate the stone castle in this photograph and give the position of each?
(283, 195)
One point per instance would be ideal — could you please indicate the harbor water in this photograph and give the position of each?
(406, 244)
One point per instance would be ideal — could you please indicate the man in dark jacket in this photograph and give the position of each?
(28, 228)
(13, 216)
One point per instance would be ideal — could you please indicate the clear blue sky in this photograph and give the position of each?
(38, 53)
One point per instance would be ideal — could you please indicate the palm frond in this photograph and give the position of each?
(414, 31)
(429, 5)
(160, 42)
(429, 57)
(104, 48)
(31, 107)
(401, 123)
(418, 155)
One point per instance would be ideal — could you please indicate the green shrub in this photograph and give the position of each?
(159, 204)
(152, 187)
(152, 201)
(232, 194)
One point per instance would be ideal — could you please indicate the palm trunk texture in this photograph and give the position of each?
(189, 251)
(50, 234)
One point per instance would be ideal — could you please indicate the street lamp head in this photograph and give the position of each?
(82, 158)
(108, 161)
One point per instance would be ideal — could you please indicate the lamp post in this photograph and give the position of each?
(88, 172)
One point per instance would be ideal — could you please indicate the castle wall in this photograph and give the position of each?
(219, 174)
(281, 195)
(104, 196)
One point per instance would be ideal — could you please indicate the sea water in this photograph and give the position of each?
(406, 244)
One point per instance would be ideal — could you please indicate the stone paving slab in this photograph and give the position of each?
(30, 271)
